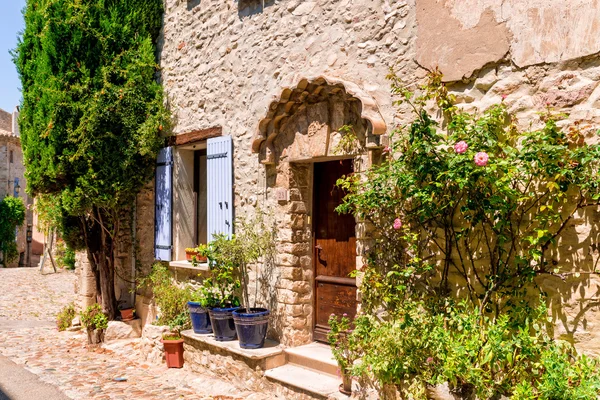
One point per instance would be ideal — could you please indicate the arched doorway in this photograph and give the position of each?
(312, 135)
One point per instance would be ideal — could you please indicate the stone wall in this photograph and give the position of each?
(237, 65)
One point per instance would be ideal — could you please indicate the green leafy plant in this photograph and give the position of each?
(446, 195)
(221, 288)
(65, 316)
(479, 356)
(349, 142)
(12, 215)
(466, 210)
(93, 117)
(345, 346)
(170, 298)
(94, 318)
(230, 260)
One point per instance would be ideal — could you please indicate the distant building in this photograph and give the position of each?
(12, 183)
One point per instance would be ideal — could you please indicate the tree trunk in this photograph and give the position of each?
(100, 252)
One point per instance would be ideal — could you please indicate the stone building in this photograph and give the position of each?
(12, 183)
(259, 92)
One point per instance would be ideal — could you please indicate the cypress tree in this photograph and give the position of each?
(92, 115)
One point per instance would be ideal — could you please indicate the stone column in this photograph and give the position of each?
(85, 285)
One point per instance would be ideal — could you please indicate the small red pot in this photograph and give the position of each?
(173, 353)
(127, 314)
(190, 254)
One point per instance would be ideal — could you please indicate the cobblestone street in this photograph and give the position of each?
(28, 305)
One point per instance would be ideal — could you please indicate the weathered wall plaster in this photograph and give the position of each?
(461, 36)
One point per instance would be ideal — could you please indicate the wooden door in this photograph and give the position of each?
(334, 248)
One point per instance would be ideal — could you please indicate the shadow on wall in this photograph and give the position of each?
(574, 291)
(247, 8)
(192, 3)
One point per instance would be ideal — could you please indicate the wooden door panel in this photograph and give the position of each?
(335, 247)
(334, 299)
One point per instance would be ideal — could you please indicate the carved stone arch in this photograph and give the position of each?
(302, 123)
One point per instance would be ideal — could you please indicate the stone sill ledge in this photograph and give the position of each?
(270, 356)
(186, 265)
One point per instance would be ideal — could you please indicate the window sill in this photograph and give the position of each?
(187, 266)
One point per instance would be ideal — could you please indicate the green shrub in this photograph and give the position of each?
(482, 356)
(170, 298)
(94, 318)
(65, 317)
(12, 215)
(467, 211)
(69, 259)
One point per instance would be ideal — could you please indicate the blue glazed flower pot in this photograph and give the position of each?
(222, 323)
(200, 319)
(251, 327)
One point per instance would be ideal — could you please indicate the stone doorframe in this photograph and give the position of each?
(302, 127)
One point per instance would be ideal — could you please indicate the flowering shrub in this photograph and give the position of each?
(479, 200)
(469, 210)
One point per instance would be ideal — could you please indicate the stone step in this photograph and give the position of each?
(305, 380)
(316, 356)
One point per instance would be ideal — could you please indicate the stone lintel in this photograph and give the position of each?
(270, 356)
(195, 136)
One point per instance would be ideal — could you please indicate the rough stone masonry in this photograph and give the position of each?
(239, 64)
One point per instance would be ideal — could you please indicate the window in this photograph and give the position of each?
(10, 157)
(194, 196)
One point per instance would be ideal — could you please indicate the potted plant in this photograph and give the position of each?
(345, 349)
(202, 300)
(253, 242)
(173, 342)
(171, 300)
(95, 321)
(196, 254)
(221, 288)
(126, 311)
(190, 252)
(173, 345)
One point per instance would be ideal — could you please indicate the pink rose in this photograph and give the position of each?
(481, 159)
(387, 149)
(461, 147)
(397, 224)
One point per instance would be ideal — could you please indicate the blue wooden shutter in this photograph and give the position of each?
(163, 199)
(219, 170)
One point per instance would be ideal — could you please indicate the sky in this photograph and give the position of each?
(11, 23)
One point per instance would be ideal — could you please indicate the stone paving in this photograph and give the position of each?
(28, 304)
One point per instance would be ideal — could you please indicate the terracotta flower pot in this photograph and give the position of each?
(173, 352)
(126, 314)
(190, 254)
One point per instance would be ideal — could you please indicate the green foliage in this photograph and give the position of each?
(467, 211)
(229, 261)
(346, 347)
(12, 215)
(65, 256)
(92, 116)
(65, 317)
(170, 298)
(222, 287)
(349, 142)
(94, 318)
(476, 355)
(477, 186)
